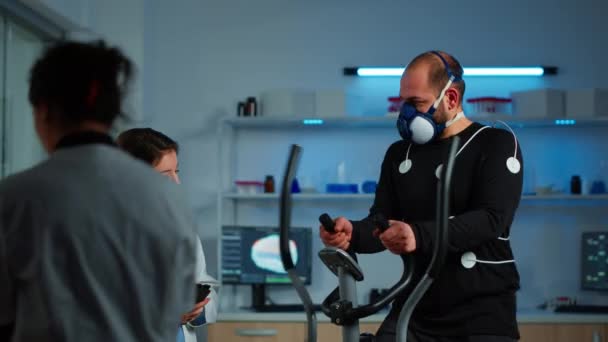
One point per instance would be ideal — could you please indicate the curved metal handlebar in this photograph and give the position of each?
(285, 222)
(440, 248)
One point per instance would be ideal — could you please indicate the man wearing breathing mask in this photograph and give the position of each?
(473, 298)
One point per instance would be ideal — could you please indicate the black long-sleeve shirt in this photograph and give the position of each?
(484, 197)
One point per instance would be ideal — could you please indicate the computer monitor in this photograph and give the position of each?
(594, 258)
(250, 255)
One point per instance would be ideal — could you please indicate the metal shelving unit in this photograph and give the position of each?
(228, 132)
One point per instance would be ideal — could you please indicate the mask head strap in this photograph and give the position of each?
(451, 79)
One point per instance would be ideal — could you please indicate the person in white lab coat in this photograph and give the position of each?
(160, 151)
(85, 253)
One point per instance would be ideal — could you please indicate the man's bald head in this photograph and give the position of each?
(437, 74)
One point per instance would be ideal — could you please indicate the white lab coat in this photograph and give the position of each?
(85, 253)
(201, 276)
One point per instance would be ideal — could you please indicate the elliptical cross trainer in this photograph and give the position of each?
(341, 305)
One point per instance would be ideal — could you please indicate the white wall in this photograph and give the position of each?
(254, 46)
(121, 23)
(69, 14)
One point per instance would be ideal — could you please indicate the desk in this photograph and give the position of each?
(534, 325)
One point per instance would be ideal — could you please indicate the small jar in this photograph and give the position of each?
(251, 107)
(240, 111)
(269, 184)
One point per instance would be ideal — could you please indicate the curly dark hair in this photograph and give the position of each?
(81, 82)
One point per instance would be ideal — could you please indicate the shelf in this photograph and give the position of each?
(324, 196)
(567, 197)
(314, 122)
(303, 196)
(389, 122)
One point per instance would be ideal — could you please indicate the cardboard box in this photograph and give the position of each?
(586, 103)
(330, 103)
(303, 103)
(288, 103)
(539, 103)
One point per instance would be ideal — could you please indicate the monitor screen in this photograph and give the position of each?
(250, 255)
(594, 257)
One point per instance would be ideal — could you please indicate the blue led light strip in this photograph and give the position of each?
(534, 71)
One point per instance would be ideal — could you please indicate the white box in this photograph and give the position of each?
(330, 103)
(286, 102)
(539, 103)
(586, 103)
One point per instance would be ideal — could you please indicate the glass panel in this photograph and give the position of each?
(22, 147)
(2, 96)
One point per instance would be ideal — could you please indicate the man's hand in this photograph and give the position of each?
(341, 238)
(398, 238)
(196, 311)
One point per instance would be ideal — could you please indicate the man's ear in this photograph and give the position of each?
(453, 98)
